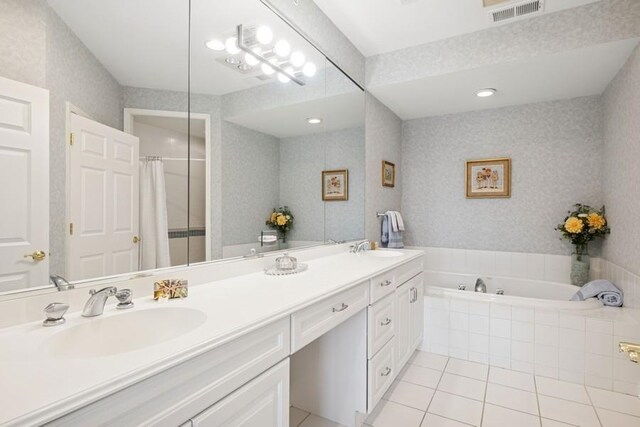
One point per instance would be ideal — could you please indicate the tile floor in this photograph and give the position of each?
(438, 391)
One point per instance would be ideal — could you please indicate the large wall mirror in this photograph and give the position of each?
(138, 135)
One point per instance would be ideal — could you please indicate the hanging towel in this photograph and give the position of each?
(394, 237)
(604, 290)
(398, 222)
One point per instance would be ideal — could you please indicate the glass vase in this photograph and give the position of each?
(580, 265)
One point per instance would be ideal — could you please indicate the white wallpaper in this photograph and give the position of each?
(600, 22)
(556, 151)
(250, 175)
(621, 170)
(302, 160)
(383, 136)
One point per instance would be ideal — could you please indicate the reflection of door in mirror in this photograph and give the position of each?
(24, 204)
(103, 201)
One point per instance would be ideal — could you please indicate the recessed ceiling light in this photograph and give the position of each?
(215, 44)
(231, 60)
(244, 67)
(309, 69)
(264, 34)
(282, 48)
(297, 59)
(314, 120)
(483, 93)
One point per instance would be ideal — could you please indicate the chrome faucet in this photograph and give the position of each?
(359, 246)
(60, 282)
(480, 286)
(97, 300)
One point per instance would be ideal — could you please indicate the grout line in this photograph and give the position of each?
(592, 405)
(435, 390)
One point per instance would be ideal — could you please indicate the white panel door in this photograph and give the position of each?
(417, 311)
(24, 185)
(103, 195)
(403, 297)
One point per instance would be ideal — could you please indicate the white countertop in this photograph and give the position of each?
(36, 387)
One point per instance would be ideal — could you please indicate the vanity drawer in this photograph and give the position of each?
(381, 318)
(312, 322)
(382, 285)
(409, 270)
(380, 374)
(175, 395)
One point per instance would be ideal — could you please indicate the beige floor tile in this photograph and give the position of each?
(617, 419)
(316, 421)
(456, 408)
(462, 386)
(513, 379)
(432, 420)
(391, 414)
(562, 390)
(512, 398)
(408, 394)
(421, 376)
(496, 416)
(465, 368)
(429, 360)
(567, 411)
(615, 401)
(296, 416)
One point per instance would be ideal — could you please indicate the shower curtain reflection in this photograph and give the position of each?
(154, 229)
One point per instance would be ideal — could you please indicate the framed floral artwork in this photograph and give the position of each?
(388, 174)
(335, 185)
(488, 178)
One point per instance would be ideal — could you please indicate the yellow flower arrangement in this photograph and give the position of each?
(596, 221)
(282, 220)
(573, 225)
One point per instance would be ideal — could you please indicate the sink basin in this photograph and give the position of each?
(383, 254)
(123, 332)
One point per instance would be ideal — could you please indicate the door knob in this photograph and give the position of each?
(37, 255)
(136, 239)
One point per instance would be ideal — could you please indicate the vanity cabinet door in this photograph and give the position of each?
(403, 308)
(417, 311)
(263, 402)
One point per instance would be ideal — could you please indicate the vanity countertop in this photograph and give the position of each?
(37, 387)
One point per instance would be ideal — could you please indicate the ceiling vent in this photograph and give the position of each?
(518, 10)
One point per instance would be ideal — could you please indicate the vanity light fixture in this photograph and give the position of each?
(314, 120)
(250, 59)
(484, 93)
(231, 46)
(244, 67)
(215, 44)
(233, 61)
(283, 78)
(269, 66)
(282, 48)
(297, 59)
(264, 35)
(309, 69)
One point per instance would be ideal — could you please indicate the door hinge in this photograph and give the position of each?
(71, 139)
(71, 228)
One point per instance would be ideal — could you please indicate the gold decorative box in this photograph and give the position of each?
(170, 289)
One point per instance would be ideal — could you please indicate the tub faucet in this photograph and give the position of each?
(480, 286)
(97, 300)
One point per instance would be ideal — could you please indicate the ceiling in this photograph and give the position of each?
(337, 112)
(571, 74)
(144, 43)
(379, 26)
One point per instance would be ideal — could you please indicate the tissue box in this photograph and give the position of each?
(170, 289)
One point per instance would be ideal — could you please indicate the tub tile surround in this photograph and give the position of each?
(576, 346)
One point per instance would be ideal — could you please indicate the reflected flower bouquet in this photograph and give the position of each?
(282, 220)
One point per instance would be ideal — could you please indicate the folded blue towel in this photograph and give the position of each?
(388, 237)
(604, 290)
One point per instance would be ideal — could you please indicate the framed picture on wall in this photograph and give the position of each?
(388, 174)
(488, 178)
(335, 185)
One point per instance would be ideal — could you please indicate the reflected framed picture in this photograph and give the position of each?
(388, 174)
(335, 185)
(488, 178)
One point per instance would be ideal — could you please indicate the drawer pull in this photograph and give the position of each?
(385, 283)
(385, 322)
(386, 372)
(342, 307)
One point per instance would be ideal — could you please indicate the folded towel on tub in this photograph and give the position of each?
(604, 290)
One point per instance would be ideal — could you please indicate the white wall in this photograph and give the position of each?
(556, 153)
(621, 165)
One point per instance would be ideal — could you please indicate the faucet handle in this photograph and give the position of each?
(124, 296)
(55, 314)
(109, 290)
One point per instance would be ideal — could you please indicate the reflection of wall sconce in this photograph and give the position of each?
(284, 75)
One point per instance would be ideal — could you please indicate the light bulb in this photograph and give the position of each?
(268, 70)
(483, 93)
(215, 44)
(309, 69)
(231, 45)
(284, 78)
(264, 35)
(297, 59)
(282, 48)
(250, 59)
